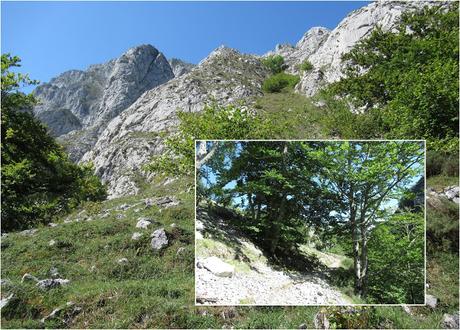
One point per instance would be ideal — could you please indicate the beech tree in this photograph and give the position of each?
(364, 177)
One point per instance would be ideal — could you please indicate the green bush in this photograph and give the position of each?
(410, 75)
(38, 179)
(275, 63)
(306, 66)
(441, 163)
(279, 81)
(214, 122)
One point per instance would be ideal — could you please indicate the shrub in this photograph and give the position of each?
(306, 66)
(441, 163)
(276, 83)
(214, 122)
(275, 63)
(38, 179)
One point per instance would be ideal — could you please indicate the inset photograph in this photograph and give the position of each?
(310, 222)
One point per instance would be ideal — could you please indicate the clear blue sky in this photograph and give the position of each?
(52, 37)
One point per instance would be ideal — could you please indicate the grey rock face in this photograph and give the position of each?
(180, 67)
(159, 239)
(77, 105)
(324, 48)
(130, 139)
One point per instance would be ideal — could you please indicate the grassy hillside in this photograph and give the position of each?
(157, 289)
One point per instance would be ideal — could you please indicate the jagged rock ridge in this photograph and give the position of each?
(130, 140)
(324, 48)
(81, 103)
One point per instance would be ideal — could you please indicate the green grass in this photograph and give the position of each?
(439, 182)
(299, 117)
(156, 290)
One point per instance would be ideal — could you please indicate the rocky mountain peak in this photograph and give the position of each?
(78, 104)
(180, 67)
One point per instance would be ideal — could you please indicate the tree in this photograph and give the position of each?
(274, 183)
(364, 176)
(38, 179)
(405, 81)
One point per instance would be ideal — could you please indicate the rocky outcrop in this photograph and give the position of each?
(77, 105)
(324, 48)
(130, 140)
(180, 67)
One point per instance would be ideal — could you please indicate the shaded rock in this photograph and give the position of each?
(5, 301)
(123, 261)
(69, 308)
(120, 216)
(218, 267)
(28, 232)
(136, 236)
(54, 272)
(28, 278)
(159, 239)
(450, 321)
(166, 202)
(53, 224)
(321, 321)
(48, 284)
(123, 207)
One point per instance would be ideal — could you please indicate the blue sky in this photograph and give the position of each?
(52, 37)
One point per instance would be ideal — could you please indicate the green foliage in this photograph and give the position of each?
(214, 122)
(441, 163)
(306, 66)
(396, 260)
(410, 85)
(38, 179)
(279, 81)
(442, 226)
(275, 63)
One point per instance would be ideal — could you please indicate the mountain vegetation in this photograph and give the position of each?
(340, 189)
(38, 179)
(400, 83)
(404, 82)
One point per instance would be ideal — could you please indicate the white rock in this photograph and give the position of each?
(123, 261)
(431, 301)
(52, 242)
(5, 301)
(143, 223)
(159, 239)
(218, 267)
(136, 236)
(51, 283)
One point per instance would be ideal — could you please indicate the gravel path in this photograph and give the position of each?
(265, 286)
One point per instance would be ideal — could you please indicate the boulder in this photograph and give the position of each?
(159, 239)
(450, 321)
(51, 283)
(431, 301)
(136, 236)
(218, 267)
(143, 223)
(5, 301)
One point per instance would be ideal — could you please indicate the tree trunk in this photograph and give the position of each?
(364, 260)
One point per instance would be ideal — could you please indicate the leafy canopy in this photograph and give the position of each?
(409, 88)
(38, 179)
